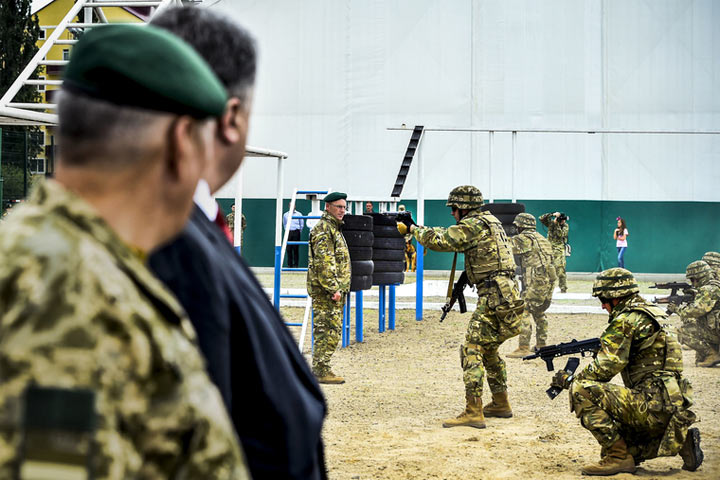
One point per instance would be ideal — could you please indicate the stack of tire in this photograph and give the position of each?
(358, 233)
(388, 251)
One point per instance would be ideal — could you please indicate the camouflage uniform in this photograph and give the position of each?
(558, 237)
(230, 220)
(713, 260)
(536, 259)
(490, 267)
(328, 272)
(243, 224)
(651, 412)
(700, 328)
(80, 310)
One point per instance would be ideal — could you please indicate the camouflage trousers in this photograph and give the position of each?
(650, 424)
(559, 262)
(489, 327)
(538, 296)
(697, 335)
(327, 328)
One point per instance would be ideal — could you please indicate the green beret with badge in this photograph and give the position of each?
(331, 197)
(144, 67)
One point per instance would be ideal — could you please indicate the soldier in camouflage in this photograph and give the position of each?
(539, 276)
(713, 260)
(649, 416)
(328, 283)
(558, 231)
(230, 219)
(490, 268)
(700, 328)
(80, 309)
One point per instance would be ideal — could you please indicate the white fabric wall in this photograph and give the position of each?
(334, 74)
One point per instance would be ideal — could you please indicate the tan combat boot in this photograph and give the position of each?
(330, 378)
(499, 407)
(472, 416)
(710, 360)
(522, 351)
(616, 460)
(690, 452)
(538, 346)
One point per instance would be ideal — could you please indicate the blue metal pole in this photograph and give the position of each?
(391, 307)
(419, 282)
(349, 320)
(343, 335)
(359, 316)
(278, 267)
(381, 309)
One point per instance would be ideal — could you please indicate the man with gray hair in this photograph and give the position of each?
(82, 316)
(276, 405)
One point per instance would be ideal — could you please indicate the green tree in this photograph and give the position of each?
(19, 33)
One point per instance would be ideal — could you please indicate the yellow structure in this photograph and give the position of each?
(50, 13)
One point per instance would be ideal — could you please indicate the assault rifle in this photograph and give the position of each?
(687, 296)
(548, 353)
(457, 296)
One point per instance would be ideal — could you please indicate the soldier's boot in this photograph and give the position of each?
(700, 356)
(540, 344)
(616, 460)
(499, 406)
(521, 351)
(712, 359)
(472, 416)
(690, 452)
(330, 378)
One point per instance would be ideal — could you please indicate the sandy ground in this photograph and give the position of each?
(385, 421)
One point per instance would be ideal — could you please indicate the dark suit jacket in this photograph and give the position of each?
(275, 403)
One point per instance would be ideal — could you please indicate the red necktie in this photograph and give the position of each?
(222, 225)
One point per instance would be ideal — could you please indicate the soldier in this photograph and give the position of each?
(649, 416)
(230, 219)
(701, 318)
(328, 282)
(558, 230)
(539, 277)
(490, 267)
(81, 309)
(713, 260)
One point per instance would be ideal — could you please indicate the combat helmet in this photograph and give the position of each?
(525, 221)
(712, 259)
(698, 270)
(466, 197)
(615, 283)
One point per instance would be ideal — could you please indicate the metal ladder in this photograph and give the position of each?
(407, 160)
(28, 111)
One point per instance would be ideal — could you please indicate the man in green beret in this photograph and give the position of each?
(81, 311)
(328, 283)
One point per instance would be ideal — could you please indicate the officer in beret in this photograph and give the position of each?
(328, 283)
(81, 311)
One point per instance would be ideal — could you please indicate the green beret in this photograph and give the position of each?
(331, 197)
(144, 67)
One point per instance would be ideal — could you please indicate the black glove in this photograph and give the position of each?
(406, 218)
(562, 379)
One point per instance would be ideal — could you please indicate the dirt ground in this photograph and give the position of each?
(385, 421)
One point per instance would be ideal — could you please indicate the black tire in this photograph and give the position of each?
(361, 253)
(504, 208)
(360, 282)
(389, 243)
(389, 266)
(355, 238)
(388, 278)
(383, 219)
(362, 267)
(388, 254)
(505, 218)
(358, 222)
(386, 231)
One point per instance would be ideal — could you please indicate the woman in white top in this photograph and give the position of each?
(621, 235)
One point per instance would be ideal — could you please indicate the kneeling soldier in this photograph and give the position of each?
(649, 416)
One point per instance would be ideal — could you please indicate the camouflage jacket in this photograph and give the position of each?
(230, 220)
(557, 234)
(328, 258)
(634, 344)
(80, 310)
(535, 252)
(705, 305)
(480, 236)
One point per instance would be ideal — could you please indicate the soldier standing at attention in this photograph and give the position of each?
(80, 309)
(558, 230)
(328, 283)
(701, 318)
(230, 220)
(537, 261)
(713, 260)
(649, 417)
(490, 268)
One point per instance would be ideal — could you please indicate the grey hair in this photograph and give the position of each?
(93, 132)
(227, 47)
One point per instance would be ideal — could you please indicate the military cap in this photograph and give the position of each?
(331, 197)
(697, 269)
(525, 220)
(712, 258)
(144, 67)
(465, 196)
(615, 283)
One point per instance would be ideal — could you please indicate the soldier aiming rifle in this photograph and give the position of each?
(687, 296)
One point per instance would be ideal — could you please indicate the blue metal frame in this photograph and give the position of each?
(359, 316)
(381, 309)
(391, 308)
(419, 282)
